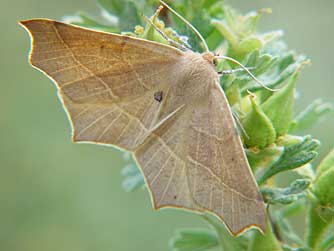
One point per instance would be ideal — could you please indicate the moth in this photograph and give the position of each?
(163, 104)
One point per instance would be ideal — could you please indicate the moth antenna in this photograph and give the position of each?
(231, 71)
(239, 124)
(206, 47)
(249, 73)
(171, 41)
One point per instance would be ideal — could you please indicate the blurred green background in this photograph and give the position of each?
(55, 195)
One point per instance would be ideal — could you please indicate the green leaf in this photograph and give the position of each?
(306, 171)
(289, 140)
(259, 63)
(286, 231)
(288, 195)
(226, 240)
(214, 39)
(211, 5)
(193, 240)
(233, 94)
(283, 226)
(293, 156)
(84, 20)
(278, 74)
(226, 32)
(319, 221)
(150, 32)
(311, 115)
(261, 158)
(199, 14)
(286, 60)
(288, 248)
(263, 64)
(251, 20)
(240, 32)
(291, 209)
(279, 107)
(250, 44)
(286, 72)
(271, 36)
(125, 10)
(113, 6)
(328, 242)
(323, 185)
(264, 242)
(260, 131)
(326, 163)
(133, 178)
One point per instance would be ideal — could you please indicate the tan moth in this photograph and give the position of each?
(164, 105)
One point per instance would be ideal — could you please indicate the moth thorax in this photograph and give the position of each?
(198, 75)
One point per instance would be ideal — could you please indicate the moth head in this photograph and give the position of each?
(210, 57)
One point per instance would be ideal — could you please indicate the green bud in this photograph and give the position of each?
(260, 131)
(139, 30)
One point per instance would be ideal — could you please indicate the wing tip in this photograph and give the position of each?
(259, 224)
(26, 25)
(34, 20)
(22, 22)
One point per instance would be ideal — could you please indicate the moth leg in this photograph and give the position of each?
(239, 126)
(231, 71)
(169, 40)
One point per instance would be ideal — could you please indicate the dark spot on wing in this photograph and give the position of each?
(158, 96)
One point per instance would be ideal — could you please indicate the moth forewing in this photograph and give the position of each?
(162, 104)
